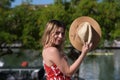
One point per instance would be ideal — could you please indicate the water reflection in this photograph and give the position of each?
(101, 67)
(117, 64)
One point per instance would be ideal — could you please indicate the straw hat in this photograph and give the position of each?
(84, 29)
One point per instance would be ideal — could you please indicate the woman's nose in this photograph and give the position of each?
(60, 35)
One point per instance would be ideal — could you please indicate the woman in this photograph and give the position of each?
(55, 62)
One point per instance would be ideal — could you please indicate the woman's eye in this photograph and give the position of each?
(57, 33)
(62, 33)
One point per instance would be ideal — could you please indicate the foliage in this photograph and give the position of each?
(26, 22)
(6, 3)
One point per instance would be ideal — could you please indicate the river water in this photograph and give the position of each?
(104, 66)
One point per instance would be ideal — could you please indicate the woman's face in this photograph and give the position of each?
(58, 36)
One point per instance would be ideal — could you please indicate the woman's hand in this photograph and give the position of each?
(86, 47)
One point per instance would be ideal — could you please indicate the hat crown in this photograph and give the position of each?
(84, 32)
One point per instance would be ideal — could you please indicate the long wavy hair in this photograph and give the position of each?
(51, 28)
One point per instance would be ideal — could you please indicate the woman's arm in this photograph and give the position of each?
(55, 57)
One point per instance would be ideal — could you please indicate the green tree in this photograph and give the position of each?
(109, 18)
(25, 26)
(26, 22)
(6, 3)
(4, 14)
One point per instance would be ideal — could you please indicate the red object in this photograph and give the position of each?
(53, 73)
(24, 64)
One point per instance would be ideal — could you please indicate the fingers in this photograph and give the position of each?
(88, 45)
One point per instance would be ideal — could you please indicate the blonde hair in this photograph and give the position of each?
(51, 28)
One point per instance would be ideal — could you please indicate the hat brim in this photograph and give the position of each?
(74, 38)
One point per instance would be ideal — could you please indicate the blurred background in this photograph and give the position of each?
(22, 25)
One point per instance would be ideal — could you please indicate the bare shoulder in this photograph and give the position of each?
(50, 52)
